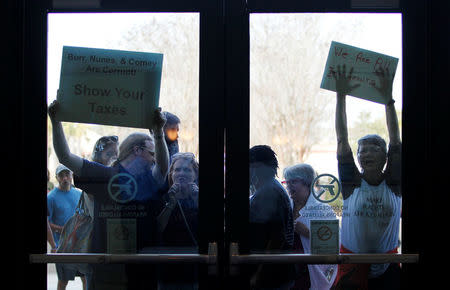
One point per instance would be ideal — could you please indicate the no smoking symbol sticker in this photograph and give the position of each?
(324, 233)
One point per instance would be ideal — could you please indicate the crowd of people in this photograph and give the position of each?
(142, 193)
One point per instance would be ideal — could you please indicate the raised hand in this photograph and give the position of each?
(52, 109)
(386, 81)
(343, 79)
(159, 120)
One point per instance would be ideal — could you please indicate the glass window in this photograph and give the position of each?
(121, 170)
(300, 122)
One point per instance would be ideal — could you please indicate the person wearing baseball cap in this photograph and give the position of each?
(61, 204)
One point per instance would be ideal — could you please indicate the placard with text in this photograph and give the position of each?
(365, 63)
(109, 87)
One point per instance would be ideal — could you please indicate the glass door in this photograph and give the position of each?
(119, 216)
(137, 216)
(285, 126)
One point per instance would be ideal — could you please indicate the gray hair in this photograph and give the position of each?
(301, 171)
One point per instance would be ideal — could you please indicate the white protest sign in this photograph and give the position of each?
(109, 87)
(365, 63)
(324, 236)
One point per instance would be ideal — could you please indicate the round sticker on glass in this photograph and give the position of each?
(326, 188)
(122, 188)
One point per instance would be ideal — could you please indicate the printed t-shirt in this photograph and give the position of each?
(371, 213)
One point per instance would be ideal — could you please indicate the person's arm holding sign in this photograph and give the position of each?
(62, 150)
(343, 88)
(394, 156)
(161, 151)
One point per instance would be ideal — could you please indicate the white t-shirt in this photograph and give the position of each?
(371, 213)
(371, 219)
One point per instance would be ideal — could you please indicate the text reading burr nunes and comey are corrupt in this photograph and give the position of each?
(100, 65)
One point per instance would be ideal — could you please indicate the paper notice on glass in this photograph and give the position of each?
(109, 87)
(121, 236)
(324, 236)
(365, 63)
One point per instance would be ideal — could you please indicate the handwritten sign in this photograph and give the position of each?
(324, 236)
(109, 87)
(365, 63)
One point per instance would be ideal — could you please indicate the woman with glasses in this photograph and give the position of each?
(298, 181)
(372, 196)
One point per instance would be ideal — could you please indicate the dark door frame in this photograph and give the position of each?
(224, 43)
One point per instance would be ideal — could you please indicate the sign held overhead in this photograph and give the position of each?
(365, 64)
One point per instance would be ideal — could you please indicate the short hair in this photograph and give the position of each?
(265, 155)
(373, 139)
(301, 171)
(183, 156)
(171, 119)
(127, 145)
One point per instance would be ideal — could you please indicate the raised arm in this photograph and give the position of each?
(342, 89)
(386, 80)
(161, 151)
(72, 161)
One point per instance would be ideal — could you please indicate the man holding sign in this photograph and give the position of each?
(372, 197)
(125, 194)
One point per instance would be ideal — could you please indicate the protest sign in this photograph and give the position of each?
(324, 236)
(365, 63)
(109, 87)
